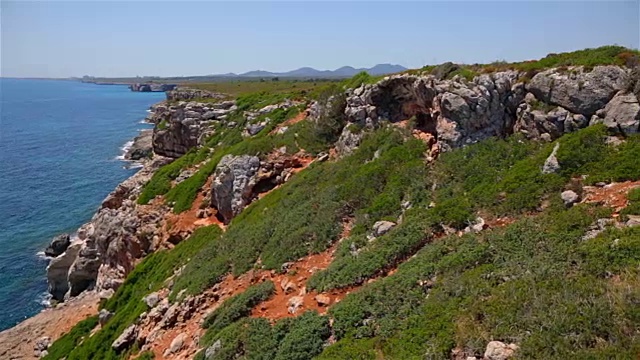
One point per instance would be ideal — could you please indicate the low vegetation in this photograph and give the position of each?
(298, 224)
(67, 342)
(588, 58)
(297, 338)
(429, 286)
(237, 307)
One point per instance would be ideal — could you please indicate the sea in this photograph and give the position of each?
(61, 147)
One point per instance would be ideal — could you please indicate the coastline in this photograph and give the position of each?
(54, 320)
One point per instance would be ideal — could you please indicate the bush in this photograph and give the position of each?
(237, 307)
(509, 284)
(67, 342)
(288, 223)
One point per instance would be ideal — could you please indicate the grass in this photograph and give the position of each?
(67, 342)
(237, 307)
(297, 338)
(508, 284)
(633, 208)
(239, 88)
(588, 58)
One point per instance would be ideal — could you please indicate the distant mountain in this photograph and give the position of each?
(308, 72)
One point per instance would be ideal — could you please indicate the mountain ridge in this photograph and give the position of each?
(344, 71)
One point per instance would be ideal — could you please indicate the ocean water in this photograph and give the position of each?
(59, 148)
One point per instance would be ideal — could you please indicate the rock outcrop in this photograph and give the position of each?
(578, 90)
(458, 112)
(58, 245)
(106, 248)
(182, 94)
(622, 114)
(151, 87)
(232, 189)
(183, 126)
(238, 180)
(142, 147)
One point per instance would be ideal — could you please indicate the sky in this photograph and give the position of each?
(179, 38)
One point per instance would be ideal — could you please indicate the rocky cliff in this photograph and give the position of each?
(458, 112)
(151, 87)
(106, 248)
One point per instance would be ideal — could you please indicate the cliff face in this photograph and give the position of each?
(106, 248)
(152, 87)
(182, 126)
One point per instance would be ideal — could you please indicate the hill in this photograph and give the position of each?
(449, 212)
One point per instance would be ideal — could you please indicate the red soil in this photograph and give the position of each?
(294, 120)
(612, 195)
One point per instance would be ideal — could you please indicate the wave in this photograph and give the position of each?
(42, 256)
(44, 299)
(124, 150)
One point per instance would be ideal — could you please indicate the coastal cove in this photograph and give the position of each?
(59, 153)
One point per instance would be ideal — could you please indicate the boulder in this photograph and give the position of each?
(497, 350)
(551, 165)
(579, 91)
(58, 245)
(348, 141)
(125, 339)
(234, 179)
(213, 349)
(176, 344)
(623, 114)
(103, 316)
(42, 344)
(382, 227)
(323, 300)
(295, 302)
(152, 299)
(569, 198)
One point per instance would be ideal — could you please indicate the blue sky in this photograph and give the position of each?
(109, 38)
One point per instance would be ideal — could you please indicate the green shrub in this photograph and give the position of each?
(67, 342)
(288, 223)
(533, 283)
(238, 307)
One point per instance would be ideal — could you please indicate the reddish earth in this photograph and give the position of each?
(187, 221)
(612, 195)
(294, 120)
(271, 309)
(18, 342)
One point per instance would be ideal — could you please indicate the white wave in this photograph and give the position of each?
(41, 255)
(44, 299)
(124, 149)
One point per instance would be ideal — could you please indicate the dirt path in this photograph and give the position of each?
(18, 342)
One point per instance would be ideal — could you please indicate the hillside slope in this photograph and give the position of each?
(450, 212)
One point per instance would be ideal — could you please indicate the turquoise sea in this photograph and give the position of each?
(60, 143)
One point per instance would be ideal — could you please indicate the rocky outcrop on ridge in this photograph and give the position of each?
(458, 112)
(238, 180)
(187, 94)
(106, 248)
(234, 179)
(185, 125)
(151, 87)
